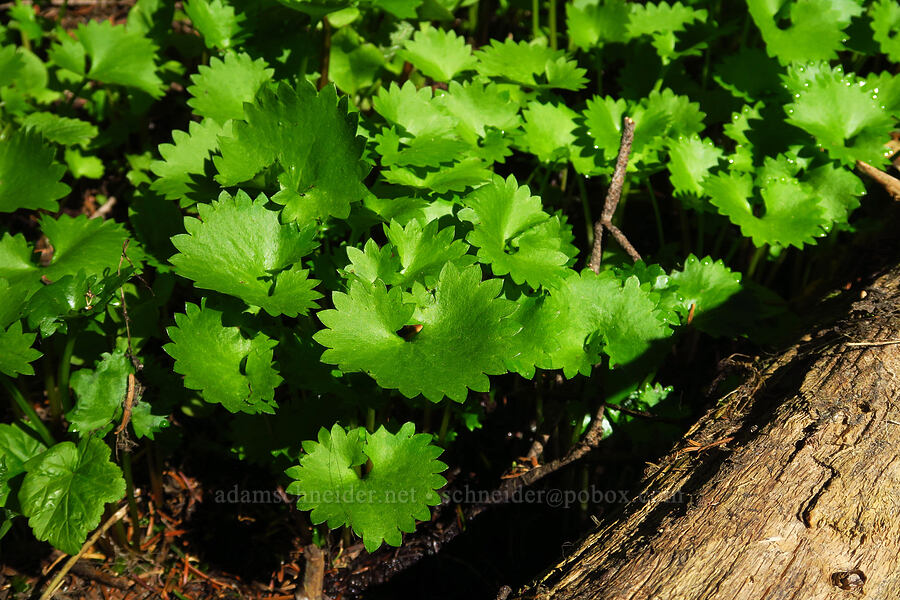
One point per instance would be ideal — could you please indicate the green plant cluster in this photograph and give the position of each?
(331, 211)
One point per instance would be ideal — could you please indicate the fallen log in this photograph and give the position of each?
(789, 488)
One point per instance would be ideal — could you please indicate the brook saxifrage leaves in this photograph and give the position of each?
(288, 129)
(463, 338)
(514, 234)
(239, 247)
(223, 365)
(29, 176)
(395, 492)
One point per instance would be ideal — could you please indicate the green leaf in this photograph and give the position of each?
(11, 65)
(413, 253)
(65, 490)
(216, 21)
(220, 89)
(145, 422)
(690, 160)
(530, 65)
(289, 129)
(413, 110)
(17, 447)
(600, 312)
(29, 176)
(749, 74)
(477, 107)
(457, 177)
(702, 286)
(239, 247)
(79, 244)
(837, 189)
(792, 215)
(16, 352)
(463, 336)
(354, 63)
(117, 56)
(23, 18)
(402, 9)
(514, 235)
(317, 8)
(73, 297)
(81, 165)
(846, 118)
(184, 162)
(396, 491)
(420, 151)
(538, 339)
(99, 392)
(12, 302)
(61, 130)
(815, 31)
(224, 366)
(662, 21)
(548, 131)
(597, 22)
(684, 117)
(885, 24)
(440, 54)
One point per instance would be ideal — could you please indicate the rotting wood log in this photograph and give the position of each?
(789, 488)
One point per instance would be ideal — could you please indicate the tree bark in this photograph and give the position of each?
(789, 488)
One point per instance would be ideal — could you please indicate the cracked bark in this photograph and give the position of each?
(803, 503)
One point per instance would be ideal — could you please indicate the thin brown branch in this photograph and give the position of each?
(623, 241)
(890, 183)
(129, 404)
(613, 194)
(57, 580)
(313, 574)
(591, 439)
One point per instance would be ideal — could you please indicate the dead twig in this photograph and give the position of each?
(57, 579)
(129, 403)
(591, 439)
(890, 183)
(867, 344)
(88, 572)
(612, 201)
(313, 574)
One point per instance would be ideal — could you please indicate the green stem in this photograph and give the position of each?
(735, 246)
(132, 503)
(50, 384)
(758, 254)
(370, 420)
(473, 19)
(75, 93)
(445, 423)
(586, 207)
(65, 368)
(535, 19)
(660, 234)
(552, 22)
(720, 239)
(685, 230)
(773, 271)
(28, 410)
(699, 233)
